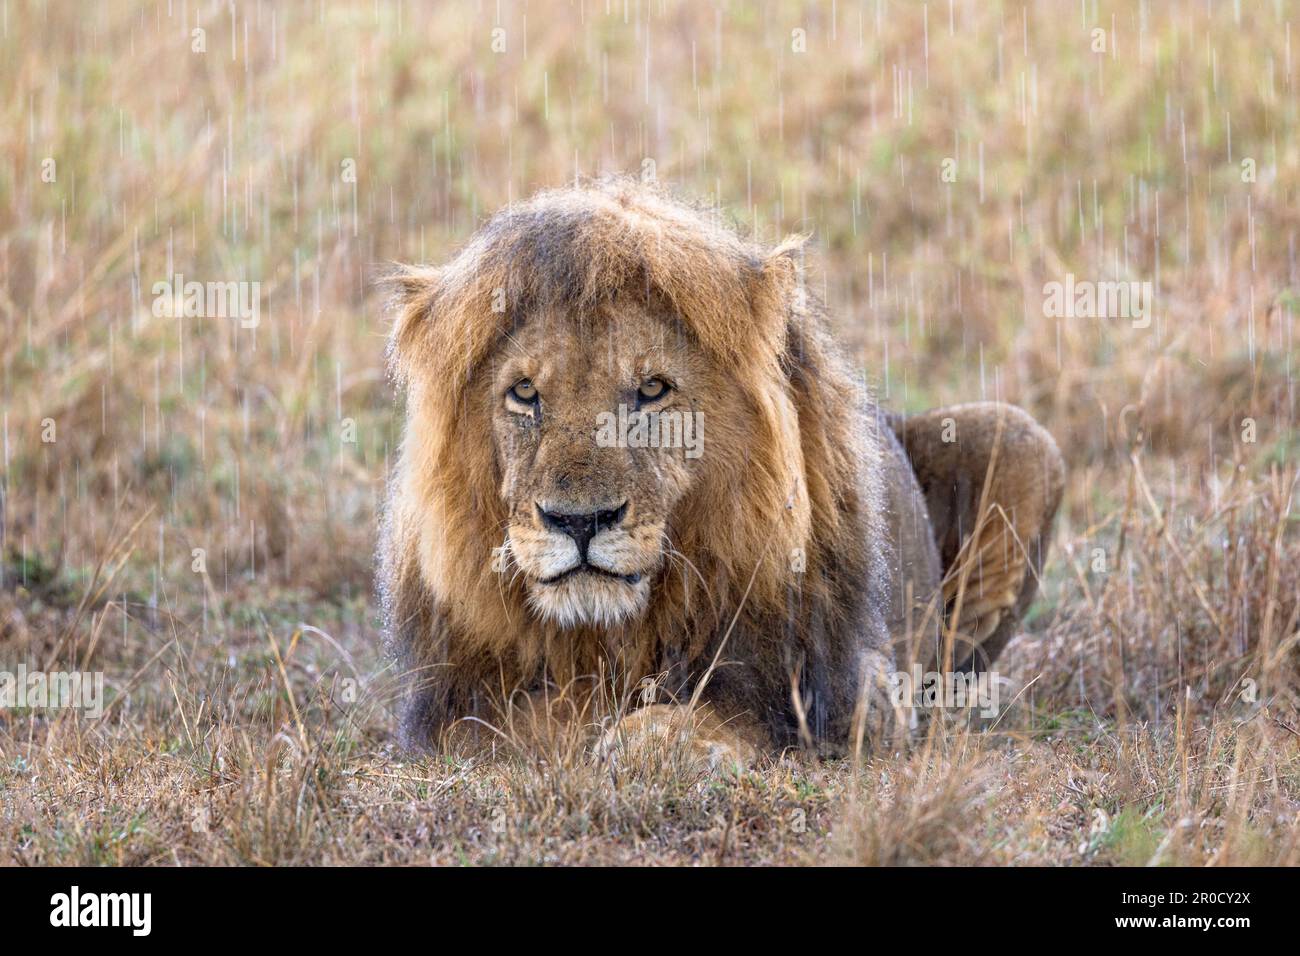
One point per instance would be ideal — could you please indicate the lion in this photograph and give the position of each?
(634, 457)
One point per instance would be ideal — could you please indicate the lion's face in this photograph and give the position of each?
(599, 432)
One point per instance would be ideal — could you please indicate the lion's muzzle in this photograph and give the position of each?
(586, 565)
(582, 527)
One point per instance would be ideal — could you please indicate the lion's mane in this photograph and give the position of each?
(783, 558)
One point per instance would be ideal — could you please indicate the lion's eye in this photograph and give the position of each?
(652, 389)
(523, 391)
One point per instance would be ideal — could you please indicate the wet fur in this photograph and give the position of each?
(821, 474)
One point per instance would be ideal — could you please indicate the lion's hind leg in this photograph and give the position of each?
(992, 479)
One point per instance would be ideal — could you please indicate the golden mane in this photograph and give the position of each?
(798, 493)
(577, 247)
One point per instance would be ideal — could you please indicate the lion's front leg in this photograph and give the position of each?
(657, 730)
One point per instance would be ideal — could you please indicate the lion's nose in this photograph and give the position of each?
(583, 527)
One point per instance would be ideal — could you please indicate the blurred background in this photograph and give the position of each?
(175, 489)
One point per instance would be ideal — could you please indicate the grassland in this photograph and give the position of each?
(248, 714)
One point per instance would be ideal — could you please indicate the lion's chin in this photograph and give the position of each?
(588, 600)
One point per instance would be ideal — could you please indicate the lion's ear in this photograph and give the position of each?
(414, 292)
(781, 286)
(785, 262)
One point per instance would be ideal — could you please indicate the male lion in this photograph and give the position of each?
(755, 574)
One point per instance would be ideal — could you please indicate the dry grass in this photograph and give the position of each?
(233, 733)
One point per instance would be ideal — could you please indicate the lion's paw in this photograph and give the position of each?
(661, 730)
